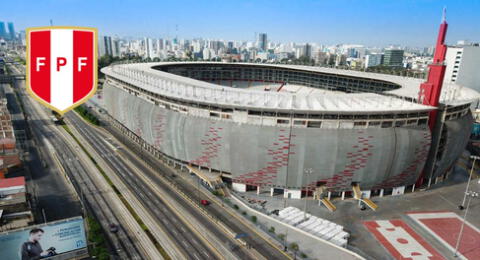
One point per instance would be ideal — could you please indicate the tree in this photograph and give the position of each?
(272, 230)
(294, 246)
(189, 55)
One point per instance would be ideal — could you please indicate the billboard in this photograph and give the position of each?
(43, 241)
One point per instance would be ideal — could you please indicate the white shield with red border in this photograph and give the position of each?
(61, 65)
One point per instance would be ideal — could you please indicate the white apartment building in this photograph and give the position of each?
(463, 66)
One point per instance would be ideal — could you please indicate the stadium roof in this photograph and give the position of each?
(168, 84)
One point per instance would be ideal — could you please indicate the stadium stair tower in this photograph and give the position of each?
(318, 194)
(358, 196)
(214, 182)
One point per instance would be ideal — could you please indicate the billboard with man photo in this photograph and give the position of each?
(43, 241)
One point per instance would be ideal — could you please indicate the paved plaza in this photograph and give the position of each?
(444, 197)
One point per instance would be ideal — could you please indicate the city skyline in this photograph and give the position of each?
(376, 23)
(251, 129)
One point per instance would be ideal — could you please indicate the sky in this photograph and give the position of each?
(368, 22)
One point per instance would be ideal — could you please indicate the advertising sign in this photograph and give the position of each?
(43, 241)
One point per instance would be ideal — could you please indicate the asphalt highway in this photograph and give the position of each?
(263, 247)
(123, 245)
(193, 246)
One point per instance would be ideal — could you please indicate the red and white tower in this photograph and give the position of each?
(430, 93)
(430, 90)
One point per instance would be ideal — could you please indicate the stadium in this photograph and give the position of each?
(292, 128)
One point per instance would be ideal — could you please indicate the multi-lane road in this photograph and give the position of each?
(190, 243)
(158, 170)
(124, 247)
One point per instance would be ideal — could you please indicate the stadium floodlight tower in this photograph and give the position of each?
(431, 89)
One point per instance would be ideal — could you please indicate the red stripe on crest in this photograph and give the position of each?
(82, 68)
(40, 59)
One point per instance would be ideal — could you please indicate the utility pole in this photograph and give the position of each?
(474, 157)
(307, 172)
(470, 194)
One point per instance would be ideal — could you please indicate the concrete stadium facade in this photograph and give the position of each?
(347, 127)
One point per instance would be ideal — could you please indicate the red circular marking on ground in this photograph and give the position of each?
(415, 253)
(390, 229)
(402, 241)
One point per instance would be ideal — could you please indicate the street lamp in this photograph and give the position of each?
(308, 172)
(470, 194)
(474, 157)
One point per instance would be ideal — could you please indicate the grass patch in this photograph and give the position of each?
(83, 112)
(124, 201)
(20, 60)
(97, 238)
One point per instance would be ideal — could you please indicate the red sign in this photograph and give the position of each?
(61, 66)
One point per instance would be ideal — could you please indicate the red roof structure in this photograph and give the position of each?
(12, 182)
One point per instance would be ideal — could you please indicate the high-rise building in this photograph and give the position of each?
(373, 59)
(115, 48)
(104, 46)
(340, 60)
(229, 47)
(160, 45)
(352, 53)
(262, 41)
(3, 32)
(307, 50)
(149, 50)
(462, 66)
(393, 58)
(331, 59)
(108, 46)
(22, 37)
(11, 31)
(107, 43)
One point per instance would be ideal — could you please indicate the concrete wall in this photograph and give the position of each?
(258, 155)
(457, 135)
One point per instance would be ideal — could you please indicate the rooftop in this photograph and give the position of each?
(397, 100)
(12, 182)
